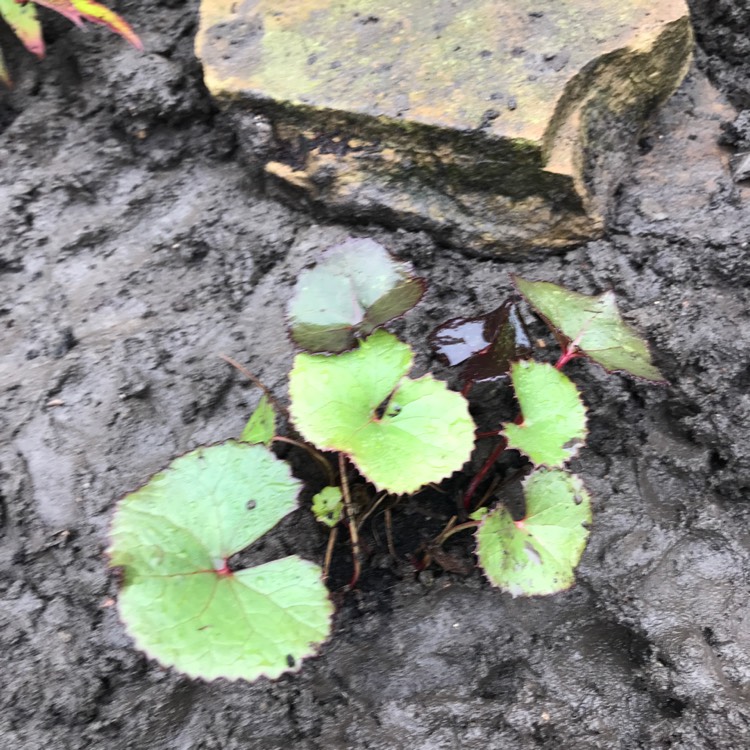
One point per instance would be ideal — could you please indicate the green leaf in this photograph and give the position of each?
(356, 287)
(261, 427)
(400, 433)
(593, 325)
(539, 554)
(554, 417)
(328, 506)
(479, 514)
(180, 601)
(75, 10)
(24, 23)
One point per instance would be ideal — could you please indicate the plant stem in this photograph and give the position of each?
(492, 487)
(257, 382)
(461, 527)
(371, 509)
(439, 538)
(482, 473)
(353, 532)
(329, 551)
(570, 352)
(320, 458)
(449, 530)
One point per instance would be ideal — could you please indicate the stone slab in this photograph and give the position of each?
(497, 125)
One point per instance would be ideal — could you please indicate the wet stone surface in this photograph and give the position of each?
(497, 125)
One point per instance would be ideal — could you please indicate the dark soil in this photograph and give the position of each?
(134, 249)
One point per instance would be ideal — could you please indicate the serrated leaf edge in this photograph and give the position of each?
(501, 505)
(270, 675)
(381, 488)
(138, 488)
(586, 431)
(136, 640)
(582, 352)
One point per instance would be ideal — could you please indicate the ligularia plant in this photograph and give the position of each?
(357, 412)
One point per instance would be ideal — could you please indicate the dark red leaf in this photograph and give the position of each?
(486, 344)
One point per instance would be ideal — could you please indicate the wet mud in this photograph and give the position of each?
(135, 247)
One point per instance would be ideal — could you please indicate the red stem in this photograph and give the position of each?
(570, 352)
(482, 473)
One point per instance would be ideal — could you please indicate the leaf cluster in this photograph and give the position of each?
(351, 394)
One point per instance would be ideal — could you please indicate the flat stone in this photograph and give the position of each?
(499, 126)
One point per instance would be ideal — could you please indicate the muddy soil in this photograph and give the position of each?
(134, 248)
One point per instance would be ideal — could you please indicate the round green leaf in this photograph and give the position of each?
(554, 417)
(400, 433)
(355, 288)
(593, 325)
(539, 554)
(328, 506)
(180, 601)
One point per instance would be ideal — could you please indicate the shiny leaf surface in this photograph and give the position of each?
(486, 344)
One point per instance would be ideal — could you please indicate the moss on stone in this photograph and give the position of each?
(459, 110)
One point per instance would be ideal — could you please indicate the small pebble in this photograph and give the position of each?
(741, 167)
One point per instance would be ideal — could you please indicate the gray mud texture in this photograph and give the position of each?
(134, 248)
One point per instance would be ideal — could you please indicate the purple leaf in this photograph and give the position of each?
(486, 344)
